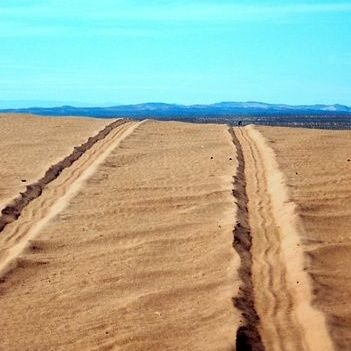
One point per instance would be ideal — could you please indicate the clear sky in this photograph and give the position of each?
(195, 51)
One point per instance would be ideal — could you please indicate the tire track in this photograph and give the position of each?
(12, 211)
(274, 300)
(281, 288)
(247, 336)
(56, 195)
(62, 183)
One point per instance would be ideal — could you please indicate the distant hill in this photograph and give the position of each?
(162, 110)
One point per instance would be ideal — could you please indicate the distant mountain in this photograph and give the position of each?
(163, 110)
(22, 104)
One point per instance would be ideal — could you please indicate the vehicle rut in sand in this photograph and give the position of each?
(56, 194)
(282, 294)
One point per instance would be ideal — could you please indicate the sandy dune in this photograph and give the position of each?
(318, 170)
(175, 236)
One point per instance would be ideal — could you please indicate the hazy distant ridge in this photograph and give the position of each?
(162, 109)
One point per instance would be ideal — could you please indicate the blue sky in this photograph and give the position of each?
(195, 51)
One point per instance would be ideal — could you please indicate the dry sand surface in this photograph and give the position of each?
(140, 259)
(281, 288)
(175, 236)
(29, 145)
(317, 165)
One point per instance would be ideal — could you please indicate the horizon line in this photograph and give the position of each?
(76, 104)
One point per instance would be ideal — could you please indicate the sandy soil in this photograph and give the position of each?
(282, 292)
(29, 145)
(318, 170)
(137, 254)
(130, 246)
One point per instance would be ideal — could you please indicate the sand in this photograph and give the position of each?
(281, 287)
(318, 172)
(140, 258)
(176, 236)
(29, 145)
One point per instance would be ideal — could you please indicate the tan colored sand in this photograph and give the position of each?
(130, 248)
(16, 236)
(318, 171)
(282, 289)
(30, 144)
(141, 258)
